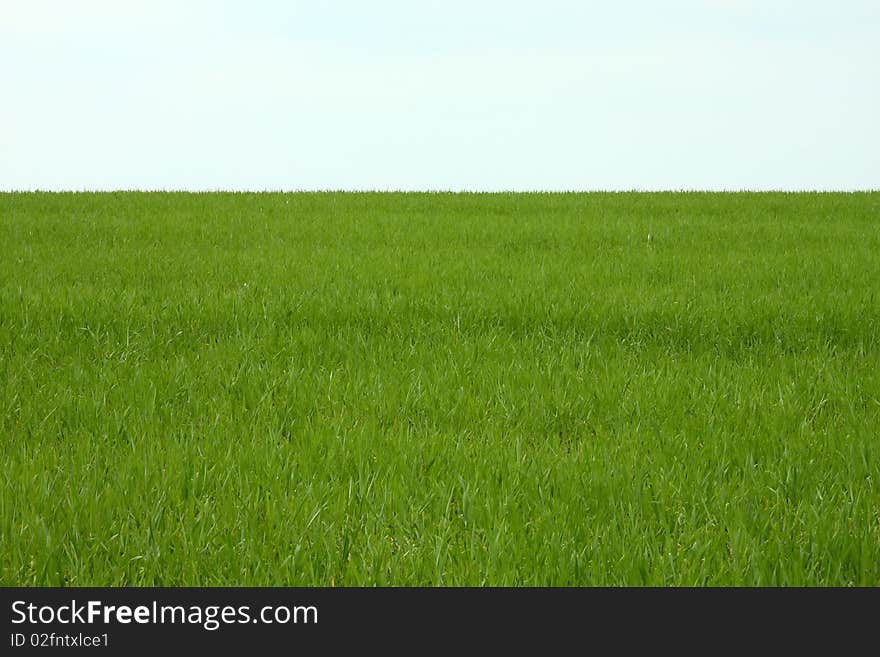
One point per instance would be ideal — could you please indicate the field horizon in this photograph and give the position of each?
(440, 388)
(442, 191)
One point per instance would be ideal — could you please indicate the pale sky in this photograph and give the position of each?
(453, 94)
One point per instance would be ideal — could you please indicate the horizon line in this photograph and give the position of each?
(439, 191)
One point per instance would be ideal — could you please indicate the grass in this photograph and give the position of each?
(440, 389)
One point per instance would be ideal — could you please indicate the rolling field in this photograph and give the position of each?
(440, 389)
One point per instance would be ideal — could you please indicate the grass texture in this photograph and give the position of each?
(439, 389)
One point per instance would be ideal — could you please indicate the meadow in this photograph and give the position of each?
(339, 389)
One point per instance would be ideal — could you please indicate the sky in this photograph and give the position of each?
(449, 95)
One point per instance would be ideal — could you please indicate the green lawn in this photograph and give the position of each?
(440, 389)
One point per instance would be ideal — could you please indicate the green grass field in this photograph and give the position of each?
(440, 389)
